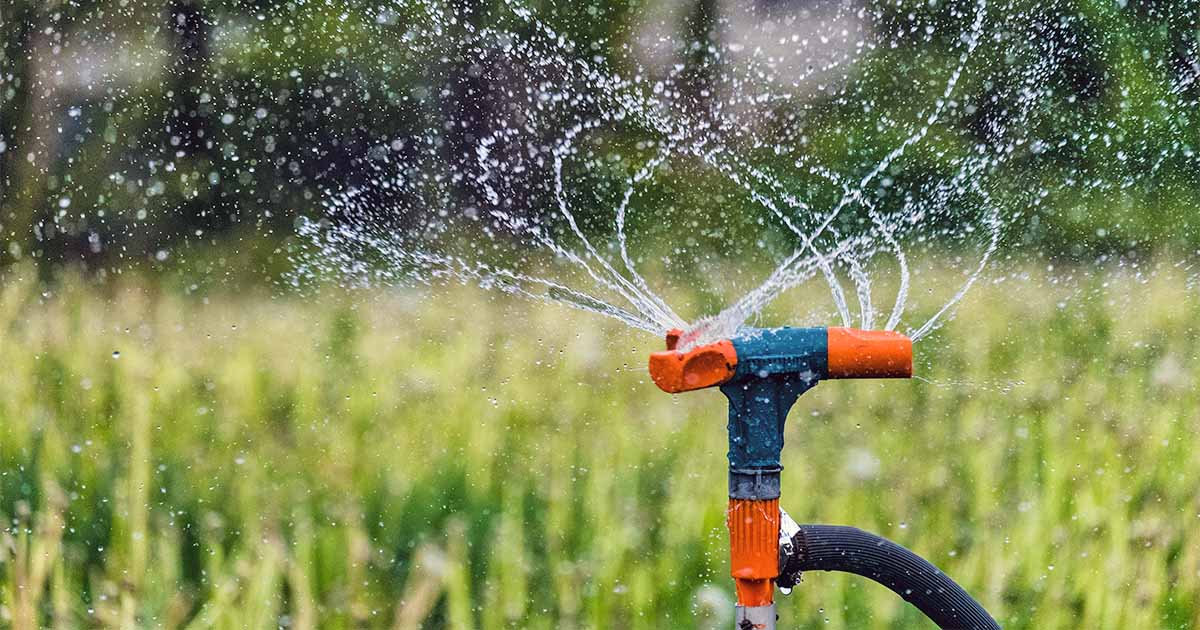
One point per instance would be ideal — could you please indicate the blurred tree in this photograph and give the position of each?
(130, 129)
(32, 106)
(469, 98)
(702, 36)
(189, 128)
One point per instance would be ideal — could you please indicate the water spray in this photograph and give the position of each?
(763, 372)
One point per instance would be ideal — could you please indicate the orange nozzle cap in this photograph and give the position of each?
(698, 368)
(857, 353)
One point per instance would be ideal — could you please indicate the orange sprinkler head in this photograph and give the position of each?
(857, 353)
(698, 368)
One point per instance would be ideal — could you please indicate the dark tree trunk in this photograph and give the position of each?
(701, 32)
(14, 75)
(189, 135)
(189, 35)
(467, 107)
(32, 140)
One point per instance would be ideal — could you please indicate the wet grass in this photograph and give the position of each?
(238, 461)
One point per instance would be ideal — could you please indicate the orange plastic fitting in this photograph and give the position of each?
(698, 368)
(857, 353)
(754, 549)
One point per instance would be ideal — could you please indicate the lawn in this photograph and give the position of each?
(235, 459)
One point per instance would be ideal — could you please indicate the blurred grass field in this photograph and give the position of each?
(245, 461)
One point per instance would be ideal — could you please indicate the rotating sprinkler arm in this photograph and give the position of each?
(839, 352)
(763, 373)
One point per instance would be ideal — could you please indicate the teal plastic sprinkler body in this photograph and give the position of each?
(774, 368)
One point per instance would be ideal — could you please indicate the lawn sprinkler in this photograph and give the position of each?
(763, 372)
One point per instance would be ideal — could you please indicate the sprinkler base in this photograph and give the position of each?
(755, 617)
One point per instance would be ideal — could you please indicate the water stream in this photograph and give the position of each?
(537, 202)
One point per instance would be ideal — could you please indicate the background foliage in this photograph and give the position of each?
(131, 130)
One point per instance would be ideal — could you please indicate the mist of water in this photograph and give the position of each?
(540, 202)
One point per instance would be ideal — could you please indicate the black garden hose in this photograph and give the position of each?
(851, 550)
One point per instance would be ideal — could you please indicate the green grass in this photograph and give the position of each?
(249, 462)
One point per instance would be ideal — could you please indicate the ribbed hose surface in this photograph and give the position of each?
(851, 550)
